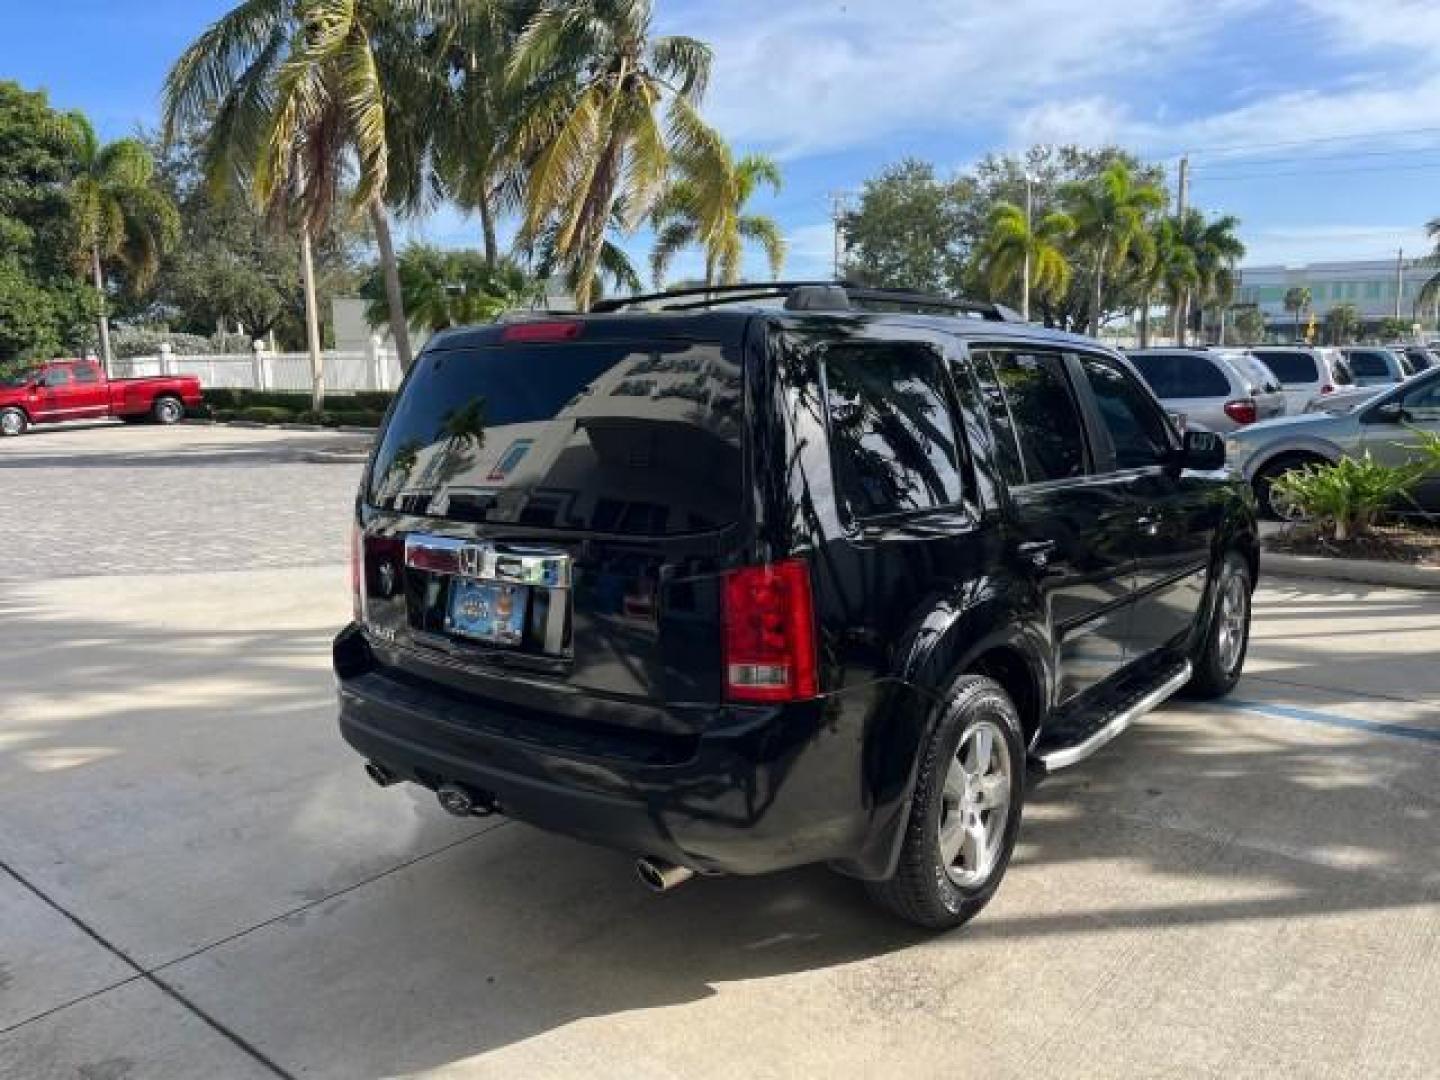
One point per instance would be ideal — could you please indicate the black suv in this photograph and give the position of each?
(746, 579)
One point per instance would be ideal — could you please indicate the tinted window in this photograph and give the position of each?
(892, 432)
(1029, 399)
(1423, 403)
(1292, 367)
(614, 437)
(1368, 365)
(1178, 375)
(56, 376)
(86, 373)
(1137, 428)
(1340, 369)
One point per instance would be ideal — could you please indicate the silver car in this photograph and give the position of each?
(1305, 372)
(1373, 365)
(1213, 389)
(1385, 425)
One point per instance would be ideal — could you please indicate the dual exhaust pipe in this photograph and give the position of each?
(657, 875)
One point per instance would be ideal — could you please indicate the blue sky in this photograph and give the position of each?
(1317, 122)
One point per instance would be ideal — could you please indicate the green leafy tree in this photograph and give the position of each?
(1391, 329)
(706, 206)
(44, 308)
(1110, 213)
(1342, 323)
(1297, 301)
(613, 266)
(1169, 270)
(1011, 241)
(119, 214)
(294, 92)
(909, 230)
(452, 288)
(1247, 325)
(1216, 250)
(595, 132)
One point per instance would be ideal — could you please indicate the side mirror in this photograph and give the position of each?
(1204, 451)
(1390, 412)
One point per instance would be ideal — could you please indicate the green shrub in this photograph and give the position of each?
(222, 414)
(357, 417)
(1348, 496)
(266, 414)
(130, 341)
(372, 400)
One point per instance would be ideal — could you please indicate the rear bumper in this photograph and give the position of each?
(762, 789)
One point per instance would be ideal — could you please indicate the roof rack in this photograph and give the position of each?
(806, 296)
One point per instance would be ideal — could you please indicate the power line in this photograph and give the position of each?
(1247, 163)
(1353, 137)
(1226, 177)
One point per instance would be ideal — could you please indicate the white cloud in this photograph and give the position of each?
(812, 75)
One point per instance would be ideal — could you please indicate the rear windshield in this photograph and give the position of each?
(1369, 365)
(1292, 367)
(1181, 375)
(640, 439)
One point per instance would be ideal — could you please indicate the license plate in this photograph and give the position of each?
(488, 611)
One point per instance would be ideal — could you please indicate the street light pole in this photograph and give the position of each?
(1029, 227)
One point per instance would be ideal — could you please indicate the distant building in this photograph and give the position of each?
(1369, 285)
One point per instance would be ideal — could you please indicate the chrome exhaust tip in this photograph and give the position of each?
(382, 776)
(660, 876)
(462, 802)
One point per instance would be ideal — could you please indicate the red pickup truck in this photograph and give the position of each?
(79, 390)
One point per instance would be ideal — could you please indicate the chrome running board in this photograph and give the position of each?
(1064, 756)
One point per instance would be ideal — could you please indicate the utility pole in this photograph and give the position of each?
(1182, 197)
(1029, 227)
(1399, 280)
(839, 204)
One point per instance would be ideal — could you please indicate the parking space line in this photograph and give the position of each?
(1329, 719)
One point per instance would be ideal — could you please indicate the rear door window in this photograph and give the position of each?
(1032, 409)
(614, 437)
(893, 445)
(1178, 375)
(1340, 369)
(1292, 368)
(56, 376)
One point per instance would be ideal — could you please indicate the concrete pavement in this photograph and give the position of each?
(199, 880)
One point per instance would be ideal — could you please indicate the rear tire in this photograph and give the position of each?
(1265, 480)
(167, 410)
(965, 814)
(13, 422)
(1221, 658)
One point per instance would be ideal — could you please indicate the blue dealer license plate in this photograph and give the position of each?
(487, 611)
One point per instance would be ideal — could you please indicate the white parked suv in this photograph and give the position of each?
(1305, 372)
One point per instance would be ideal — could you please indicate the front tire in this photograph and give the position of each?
(167, 410)
(13, 422)
(965, 814)
(1221, 658)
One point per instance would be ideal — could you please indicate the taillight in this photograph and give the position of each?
(769, 620)
(1327, 389)
(1241, 410)
(357, 571)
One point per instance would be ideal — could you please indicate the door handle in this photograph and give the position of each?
(1037, 551)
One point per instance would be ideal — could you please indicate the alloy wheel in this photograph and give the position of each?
(1234, 622)
(975, 805)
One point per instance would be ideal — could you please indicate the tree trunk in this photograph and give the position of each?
(487, 226)
(1182, 318)
(105, 357)
(312, 324)
(1145, 321)
(390, 271)
(1097, 293)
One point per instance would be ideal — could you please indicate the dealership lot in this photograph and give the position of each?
(199, 880)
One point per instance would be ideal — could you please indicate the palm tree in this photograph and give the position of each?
(706, 206)
(1430, 291)
(1297, 299)
(1010, 240)
(613, 263)
(117, 212)
(1109, 211)
(1171, 268)
(290, 92)
(593, 128)
(442, 289)
(1216, 249)
(1341, 323)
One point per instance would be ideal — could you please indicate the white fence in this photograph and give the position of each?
(377, 368)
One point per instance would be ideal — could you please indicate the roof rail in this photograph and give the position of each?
(805, 296)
